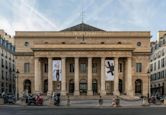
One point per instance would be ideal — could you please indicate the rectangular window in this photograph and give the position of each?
(155, 66)
(138, 67)
(120, 67)
(71, 68)
(94, 67)
(26, 67)
(46, 68)
(158, 64)
(162, 62)
(83, 68)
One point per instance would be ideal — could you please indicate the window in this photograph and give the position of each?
(162, 62)
(155, 66)
(94, 67)
(158, 64)
(138, 67)
(71, 68)
(26, 44)
(46, 68)
(120, 67)
(138, 43)
(83, 68)
(26, 67)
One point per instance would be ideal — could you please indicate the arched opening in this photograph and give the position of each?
(71, 86)
(138, 87)
(27, 86)
(83, 86)
(120, 85)
(94, 86)
(45, 85)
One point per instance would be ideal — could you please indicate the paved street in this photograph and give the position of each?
(33, 110)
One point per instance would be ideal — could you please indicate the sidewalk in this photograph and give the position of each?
(91, 104)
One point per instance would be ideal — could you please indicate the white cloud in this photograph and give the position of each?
(25, 18)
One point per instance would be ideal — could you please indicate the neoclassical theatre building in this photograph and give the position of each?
(79, 61)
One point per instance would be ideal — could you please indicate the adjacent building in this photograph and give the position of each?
(7, 63)
(158, 65)
(83, 60)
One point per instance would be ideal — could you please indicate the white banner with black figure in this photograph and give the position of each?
(57, 70)
(109, 70)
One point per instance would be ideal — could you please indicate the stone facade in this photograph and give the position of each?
(7, 63)
(83, 44)
(158, 65)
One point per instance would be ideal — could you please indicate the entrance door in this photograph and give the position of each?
(45, 86)
(83, 87)
(71, 86)
(94, 87)
(120, 85)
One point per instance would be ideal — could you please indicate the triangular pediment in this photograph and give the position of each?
(82, 27)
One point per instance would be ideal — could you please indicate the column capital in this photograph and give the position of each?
(116, 57)
(36, 57)
(63, 57)
(76, 57)
(50, 57)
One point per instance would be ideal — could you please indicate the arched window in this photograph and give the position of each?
(138, 86)
(27, 85)
(71, 86)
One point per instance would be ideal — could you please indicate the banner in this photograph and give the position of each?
(109, 70)
(57, 70)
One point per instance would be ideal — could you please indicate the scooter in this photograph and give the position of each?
(57, 99)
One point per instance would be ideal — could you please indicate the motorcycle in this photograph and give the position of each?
(36, 100)
(57, 99)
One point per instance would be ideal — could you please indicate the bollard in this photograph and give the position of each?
(100, 101)
(1, 101)
(165, 101)
(68, 100)
(145, 101)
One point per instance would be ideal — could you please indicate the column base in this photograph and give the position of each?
(49, 93)
(76, 93)
(116, 93)
(37, 92)
(103, 93)
(63, 93)
(130, 93)
(90, 92)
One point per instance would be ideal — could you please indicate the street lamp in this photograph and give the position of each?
(16, 83)
(148, 83)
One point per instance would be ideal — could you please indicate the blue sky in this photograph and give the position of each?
(111, 15)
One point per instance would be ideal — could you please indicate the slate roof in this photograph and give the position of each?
(82, 27)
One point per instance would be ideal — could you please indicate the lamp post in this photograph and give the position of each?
(16, 83)
(148, 83)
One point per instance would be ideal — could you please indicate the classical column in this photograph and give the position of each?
(63, 84)
(76, 76)
(90, 76)
(50, 86)
(129, 88)
(103, 92)
(37, 77)
(116, 79)
(126, 75)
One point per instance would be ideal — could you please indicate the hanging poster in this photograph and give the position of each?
(57, 70)
(109, 70)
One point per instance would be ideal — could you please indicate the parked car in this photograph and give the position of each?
(9, 99)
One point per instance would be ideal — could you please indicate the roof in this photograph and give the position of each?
(82, 27)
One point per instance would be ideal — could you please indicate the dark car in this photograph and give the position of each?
(9, 99)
